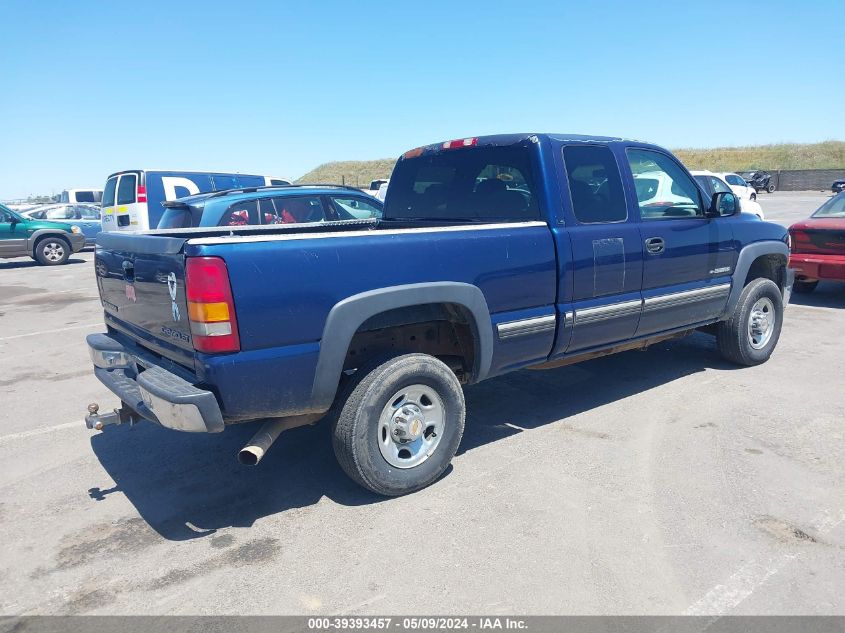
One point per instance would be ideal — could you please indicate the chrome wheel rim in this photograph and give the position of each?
(411, 426)
(761, 323)
(53, 251)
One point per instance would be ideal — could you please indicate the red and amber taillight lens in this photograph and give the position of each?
(211, 308)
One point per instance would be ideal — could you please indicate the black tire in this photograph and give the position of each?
(804, 287)
(770, 188)
(51, 251)
(754, 196)
(357, 430)
(734, 337)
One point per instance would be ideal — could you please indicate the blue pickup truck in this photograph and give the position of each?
(493, 254)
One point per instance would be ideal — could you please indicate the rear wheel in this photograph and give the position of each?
(751, 334)
(52, 251)
(804, 287)
(400, 425)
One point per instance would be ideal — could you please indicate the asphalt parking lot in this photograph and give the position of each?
(657, 482)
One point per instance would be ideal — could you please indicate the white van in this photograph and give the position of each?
(81, 196)
(132, 198)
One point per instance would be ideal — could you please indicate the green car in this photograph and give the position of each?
(48, 243)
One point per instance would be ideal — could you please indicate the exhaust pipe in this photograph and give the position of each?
(261, 442)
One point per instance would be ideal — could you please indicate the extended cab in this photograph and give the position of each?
(493, 254)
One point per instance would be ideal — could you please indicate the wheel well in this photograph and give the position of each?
(443, 330)
(772, 266)
(55, 236)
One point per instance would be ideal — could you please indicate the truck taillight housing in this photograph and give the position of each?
(142, 193)
(211, 308)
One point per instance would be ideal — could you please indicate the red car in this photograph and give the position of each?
(818, 246)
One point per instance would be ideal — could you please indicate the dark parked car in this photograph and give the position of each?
(818, 245)
(838, 186)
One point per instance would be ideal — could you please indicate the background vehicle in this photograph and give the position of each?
(288, 204)
(132, 199)
(375, 185)
(760, 180)
(818, 245)
(493, 254)
(48, 243)
(738, 185)
(838, 186)
(85, 216)
(73, 196)
(713, 184)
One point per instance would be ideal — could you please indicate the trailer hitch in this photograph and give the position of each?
(118, 416)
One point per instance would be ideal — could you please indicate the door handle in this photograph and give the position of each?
(655, 245)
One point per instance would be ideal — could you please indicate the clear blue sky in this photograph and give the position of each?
(89, 88)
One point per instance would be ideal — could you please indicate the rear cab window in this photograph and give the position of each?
(489, 183)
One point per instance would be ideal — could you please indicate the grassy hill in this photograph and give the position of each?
(827, 155)
(357, 173)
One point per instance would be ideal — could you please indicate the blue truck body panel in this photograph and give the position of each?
(552, 286)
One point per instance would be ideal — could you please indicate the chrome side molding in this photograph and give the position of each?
(534, 325)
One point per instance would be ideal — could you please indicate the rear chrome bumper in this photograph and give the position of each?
(153, 392)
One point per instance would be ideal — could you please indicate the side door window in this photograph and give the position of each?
(354, 208)
(664, 190)
(298, 210)
(241, 213)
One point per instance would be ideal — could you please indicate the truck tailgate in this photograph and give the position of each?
(141, 279)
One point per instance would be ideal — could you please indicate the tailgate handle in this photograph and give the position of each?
(128, 271)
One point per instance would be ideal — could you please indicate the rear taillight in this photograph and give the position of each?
(801, 242)
(211, 309)
(142, 193)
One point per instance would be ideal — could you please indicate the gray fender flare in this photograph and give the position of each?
(39, 233)
(347, 316)
(743, 264)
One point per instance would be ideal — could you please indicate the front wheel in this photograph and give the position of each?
(401, 424)
(751, 333)
(52, 251)
(754, 196)
(770, 188)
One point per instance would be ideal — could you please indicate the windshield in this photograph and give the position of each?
(479, 183)
(833, 208)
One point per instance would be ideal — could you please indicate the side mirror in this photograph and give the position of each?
(13, 220)
(723, 204)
